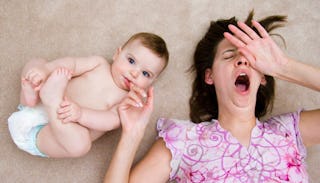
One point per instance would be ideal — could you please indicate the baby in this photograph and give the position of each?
(68, 103)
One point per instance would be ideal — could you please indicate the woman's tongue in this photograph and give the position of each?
(241, 87)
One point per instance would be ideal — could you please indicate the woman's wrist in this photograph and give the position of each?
(283, 68)
(133, 135)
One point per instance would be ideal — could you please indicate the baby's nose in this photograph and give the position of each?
(134, 73)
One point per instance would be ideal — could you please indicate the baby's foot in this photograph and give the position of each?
(52, 91)
(29, 96)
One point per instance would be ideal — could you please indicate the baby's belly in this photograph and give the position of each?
(87, 96)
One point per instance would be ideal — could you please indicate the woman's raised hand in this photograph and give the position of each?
(135, 110)
(262, 52)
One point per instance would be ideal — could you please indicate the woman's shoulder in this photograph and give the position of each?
(181, 129)
(285, 118)
(170, 123)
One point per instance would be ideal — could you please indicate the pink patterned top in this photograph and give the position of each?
(206, 152)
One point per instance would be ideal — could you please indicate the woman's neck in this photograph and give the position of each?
(239, 123)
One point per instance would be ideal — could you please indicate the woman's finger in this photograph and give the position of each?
(149, 101)
(260, 29)
(132, 95)
(240, 34)
(127, 103)
(233, 40)
(138, 90)
(247, 54)
(244, 27)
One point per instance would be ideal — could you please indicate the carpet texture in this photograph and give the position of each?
(53, 29)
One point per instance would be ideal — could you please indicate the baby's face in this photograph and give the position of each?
(136, 64)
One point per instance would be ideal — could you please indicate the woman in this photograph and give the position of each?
(235, 64)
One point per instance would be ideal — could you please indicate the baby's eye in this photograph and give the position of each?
(131, 61)
(146, 74)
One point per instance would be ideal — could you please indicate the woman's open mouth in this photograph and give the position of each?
(242, 82)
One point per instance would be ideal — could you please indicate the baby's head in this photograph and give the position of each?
(203, 102)
(140, 61)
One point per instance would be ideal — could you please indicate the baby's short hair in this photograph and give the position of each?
(153, 42)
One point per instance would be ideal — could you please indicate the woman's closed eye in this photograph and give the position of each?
(228, 57)
(229, 54)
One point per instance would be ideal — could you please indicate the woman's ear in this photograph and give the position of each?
(208, 77)
(263, 80)
(116, 54)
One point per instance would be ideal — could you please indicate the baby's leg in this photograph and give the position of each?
(57, 139)
(28, 96)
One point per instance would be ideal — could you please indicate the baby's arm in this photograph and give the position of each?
(101, 120)
(77, 66)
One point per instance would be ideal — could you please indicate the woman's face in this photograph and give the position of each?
(235, 81)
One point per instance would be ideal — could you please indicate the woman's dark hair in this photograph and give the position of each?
(203, 102)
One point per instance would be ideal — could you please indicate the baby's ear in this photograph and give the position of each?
(116, 54)
(208, 77)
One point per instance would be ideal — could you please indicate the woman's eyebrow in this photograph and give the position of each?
(229, 50)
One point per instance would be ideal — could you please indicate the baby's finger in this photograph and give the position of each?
(63, 110)
(67, 119)
(64, 103)
(248, 30)
(63, 115)
(60, 117)
(260, 29)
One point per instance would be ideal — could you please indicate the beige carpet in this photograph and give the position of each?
(52, 29)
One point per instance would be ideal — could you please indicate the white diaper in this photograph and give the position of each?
(24, 126)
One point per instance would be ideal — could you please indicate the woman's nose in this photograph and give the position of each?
(242, 61)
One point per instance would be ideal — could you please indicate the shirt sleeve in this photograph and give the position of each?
(173, 133)
(291, 122)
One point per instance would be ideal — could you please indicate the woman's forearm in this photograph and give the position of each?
(120, 165)
(300, 73)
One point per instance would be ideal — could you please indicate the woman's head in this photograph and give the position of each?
(203, 102)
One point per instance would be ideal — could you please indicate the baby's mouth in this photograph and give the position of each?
(242, 82)
(127, 82)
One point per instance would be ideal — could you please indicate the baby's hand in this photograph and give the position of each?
(36, 76)
(69, 111)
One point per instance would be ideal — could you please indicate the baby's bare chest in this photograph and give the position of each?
(94, 90)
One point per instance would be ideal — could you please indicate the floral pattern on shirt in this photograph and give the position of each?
(206, 152)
